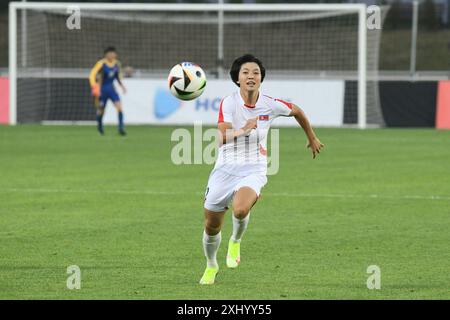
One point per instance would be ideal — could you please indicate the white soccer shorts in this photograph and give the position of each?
(222, 186)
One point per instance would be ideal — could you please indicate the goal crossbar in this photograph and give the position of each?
(188, 6)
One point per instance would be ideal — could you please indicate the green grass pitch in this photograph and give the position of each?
(132, 221)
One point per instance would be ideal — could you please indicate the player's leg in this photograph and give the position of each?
(245, 197)
(100, 104)
(218, 195)
(118, 106)
(243, 201)
(212, 237)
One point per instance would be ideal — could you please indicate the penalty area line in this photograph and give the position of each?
(365, 196)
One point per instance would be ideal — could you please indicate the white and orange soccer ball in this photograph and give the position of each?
(187, 81)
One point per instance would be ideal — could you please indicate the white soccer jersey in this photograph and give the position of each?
(248, 154)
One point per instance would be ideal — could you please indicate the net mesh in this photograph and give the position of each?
(53, 61)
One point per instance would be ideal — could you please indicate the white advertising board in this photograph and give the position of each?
(149, 101)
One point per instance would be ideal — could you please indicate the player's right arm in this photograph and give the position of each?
(227, 133)
(95, 87)
(225, 126)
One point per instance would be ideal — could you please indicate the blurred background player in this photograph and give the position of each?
(101, 79)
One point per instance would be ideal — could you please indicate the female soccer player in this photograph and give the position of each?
(240, 170)
(107, 70)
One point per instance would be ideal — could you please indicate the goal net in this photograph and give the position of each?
(50, 62)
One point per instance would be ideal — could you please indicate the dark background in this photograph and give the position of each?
(433, 45)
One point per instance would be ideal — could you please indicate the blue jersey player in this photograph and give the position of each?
(101, 79)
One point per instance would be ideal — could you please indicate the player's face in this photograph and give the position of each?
(250, 76)
(111, 56)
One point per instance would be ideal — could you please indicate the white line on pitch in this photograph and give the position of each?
(371, 196)
(274, 194)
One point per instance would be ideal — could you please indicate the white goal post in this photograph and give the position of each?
(359, 76)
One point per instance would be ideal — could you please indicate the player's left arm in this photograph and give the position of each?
(313, 142)
(119, 77)
(95, 86)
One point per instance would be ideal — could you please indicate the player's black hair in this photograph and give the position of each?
(236, 67)
(109, 49)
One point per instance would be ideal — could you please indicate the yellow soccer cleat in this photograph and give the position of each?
(209, 275)
(234, 254)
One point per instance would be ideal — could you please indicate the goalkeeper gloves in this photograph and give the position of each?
(95, 90)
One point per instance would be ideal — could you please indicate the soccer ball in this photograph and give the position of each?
(187, 81)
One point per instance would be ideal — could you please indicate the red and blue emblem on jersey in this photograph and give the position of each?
(263, 117)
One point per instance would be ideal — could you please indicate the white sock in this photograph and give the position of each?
(210, 247)
(239, 226)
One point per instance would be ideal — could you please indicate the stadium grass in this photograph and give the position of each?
(132, 221)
